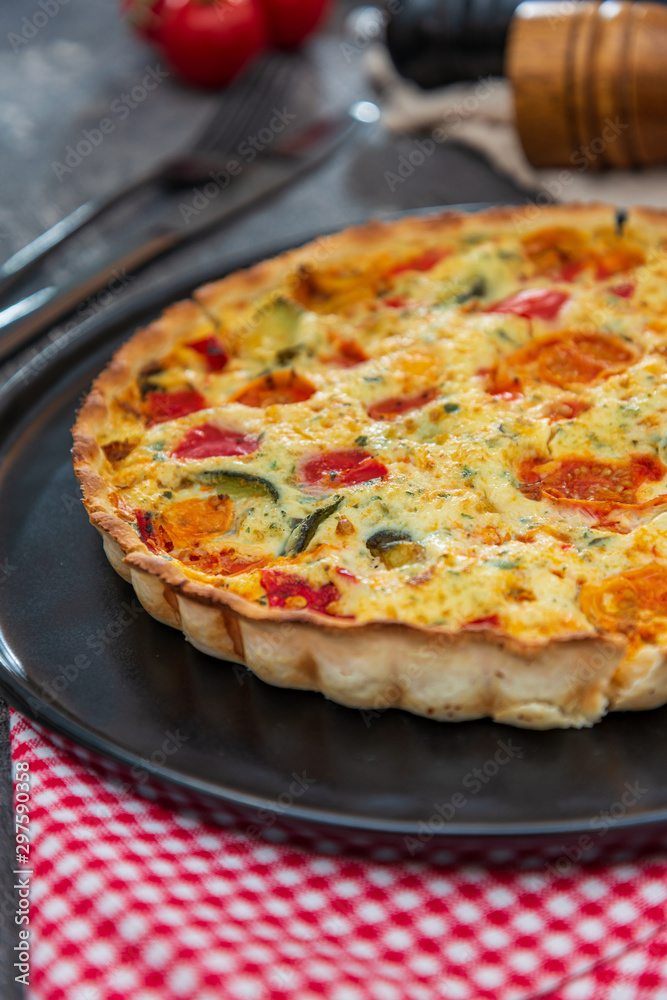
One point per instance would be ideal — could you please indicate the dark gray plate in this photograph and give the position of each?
(80, 656)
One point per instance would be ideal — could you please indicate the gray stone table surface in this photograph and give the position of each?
(68, 64)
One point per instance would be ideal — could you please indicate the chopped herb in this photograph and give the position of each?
(362, 440)
(467, 472)
(451, 407)
(469, 516)
(506, 563)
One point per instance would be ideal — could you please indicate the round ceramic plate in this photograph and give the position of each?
(80, 656)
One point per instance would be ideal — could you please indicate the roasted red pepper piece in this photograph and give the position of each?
(386, 409)
(624, 291)
(423, 262)
(145, 526)
(212, 350)
(533, 303)
(163, 406)
(287, 591)
(396, 301)
(491, 621)
(334, 469)
(208, 441)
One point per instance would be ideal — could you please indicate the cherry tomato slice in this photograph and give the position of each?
(279, 387)
(615, 259)
(423, 262)
(287, 591)
(566, 359)
(581, 358)
(628, 602)
(558, 251)
(213, 352)
(163, 406)
(334, 469)
(198, 519)
(387, 409)
(591, 481)
(349, 353)
(533, 303)
(208, 441)
(227, 562)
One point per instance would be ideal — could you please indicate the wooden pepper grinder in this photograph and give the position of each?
(590, 82)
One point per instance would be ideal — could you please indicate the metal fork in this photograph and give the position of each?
(244, 109)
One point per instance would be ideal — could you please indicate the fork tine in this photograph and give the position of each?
(233, 120)
(265, 102)
(228, 110)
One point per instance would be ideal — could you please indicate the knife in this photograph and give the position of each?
(206, 206)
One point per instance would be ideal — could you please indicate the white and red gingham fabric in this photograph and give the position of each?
(131, 901)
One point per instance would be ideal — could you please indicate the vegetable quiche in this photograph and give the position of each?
(419, 464)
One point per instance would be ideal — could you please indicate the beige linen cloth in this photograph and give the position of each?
(481, 115)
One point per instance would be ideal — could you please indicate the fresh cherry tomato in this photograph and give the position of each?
(209, 42)
(290, 22)
(145, 16)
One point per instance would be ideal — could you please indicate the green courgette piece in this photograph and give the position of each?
(278, 324)
(304, 531)
(145, 378)
(475, 289)
(240, 484)
(395, 548)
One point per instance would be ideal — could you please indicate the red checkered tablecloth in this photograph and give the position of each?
(132, 901)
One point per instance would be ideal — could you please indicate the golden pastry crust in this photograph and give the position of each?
(514, 643)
